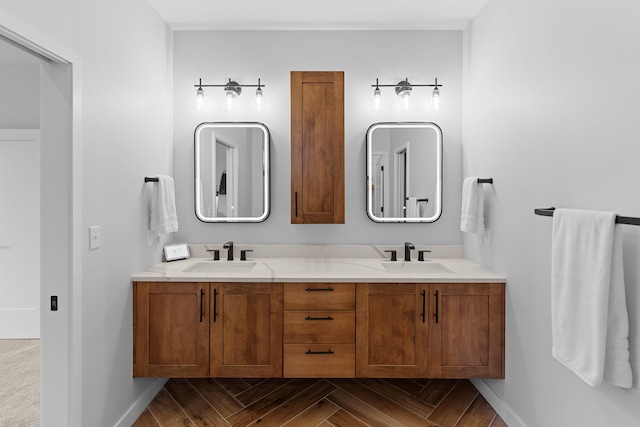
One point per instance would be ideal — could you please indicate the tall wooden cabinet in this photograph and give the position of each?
(246, 330)
(317, 147)
(466, 330)
(391, 330)
(171, 329)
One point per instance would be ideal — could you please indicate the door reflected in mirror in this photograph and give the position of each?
(232, 172)
(404, 172)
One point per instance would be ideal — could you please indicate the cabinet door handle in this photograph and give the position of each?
(436, 315)
(424, 304)
(318, 318)
(201, 304)
(319, 289)
(318, 352)
(215, 305)
(296, 204)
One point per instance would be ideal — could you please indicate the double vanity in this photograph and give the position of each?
(320, 311)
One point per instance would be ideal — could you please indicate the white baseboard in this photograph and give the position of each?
(504, 410)
(141, 404)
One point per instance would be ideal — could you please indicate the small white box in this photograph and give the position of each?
(176, 252)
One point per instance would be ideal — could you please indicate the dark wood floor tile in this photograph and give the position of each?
(400, 397)
(314, 415)
(344, 419)
(454, 405)
(381, 402)
(498, 422)
(260, 390)
(361, 410)
(479, 414)
(196, 407)
(298, 404)
(146, 420)
(325, 424)
(167, 411)
(436, 390)
(234, 386)
(218, 397)
(412, 387)
(269, 402)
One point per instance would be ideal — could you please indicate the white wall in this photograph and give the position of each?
(551, 94)
(19, 96)
(363, 55)
(125, 50)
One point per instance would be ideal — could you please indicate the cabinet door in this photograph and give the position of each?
(170, 329)
(466, 330)
(246, 330)
(391, 330)
(317, 147)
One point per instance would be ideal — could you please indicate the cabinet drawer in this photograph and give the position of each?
(319, 327)
(320, 296)
(319, 360)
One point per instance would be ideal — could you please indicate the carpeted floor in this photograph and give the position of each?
(19, 383)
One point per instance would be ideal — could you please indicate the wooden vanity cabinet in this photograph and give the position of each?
(246, 330)
(171, 329)
(317, 147)
(392, 331)
(319, 330)
(466, 330)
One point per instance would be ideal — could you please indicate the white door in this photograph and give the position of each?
(19, 234)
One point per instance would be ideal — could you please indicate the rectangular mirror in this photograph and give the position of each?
(232, 172)
(404, 172)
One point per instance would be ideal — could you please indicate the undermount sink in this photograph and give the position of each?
(415, 267)
(221, 267)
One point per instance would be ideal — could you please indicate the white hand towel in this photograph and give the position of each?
(472, 214)
(590, 325)
(412, 207)
(164, 219)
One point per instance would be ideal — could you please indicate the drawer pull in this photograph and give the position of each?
(319, 289)
(318, 352)
(318, 318)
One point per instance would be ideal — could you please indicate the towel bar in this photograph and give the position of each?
(619, 219)
(419, 200)
(147, 179)
(485, 180)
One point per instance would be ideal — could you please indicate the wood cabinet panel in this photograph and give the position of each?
(320, 296)
(317, 147)
(171, 329)
(466, 330)
(319, 327)
(391, 330)
(319, 360)
(246, 330)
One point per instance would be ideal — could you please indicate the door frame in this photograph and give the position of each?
(61, 177)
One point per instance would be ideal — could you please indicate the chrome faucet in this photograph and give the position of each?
(229, 247)
(407, 250)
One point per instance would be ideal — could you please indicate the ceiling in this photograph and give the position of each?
(317, 15)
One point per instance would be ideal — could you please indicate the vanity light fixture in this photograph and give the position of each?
(403, 91)
(232, 91)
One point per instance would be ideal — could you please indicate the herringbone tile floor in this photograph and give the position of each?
(319, 402)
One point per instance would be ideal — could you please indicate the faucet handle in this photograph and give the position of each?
(216, 254)
(394, 254)
(243, 254)
(421, 254)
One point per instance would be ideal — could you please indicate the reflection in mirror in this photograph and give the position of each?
(404, 172)
(232, 172)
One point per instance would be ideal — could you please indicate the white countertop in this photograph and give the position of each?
(310, 263)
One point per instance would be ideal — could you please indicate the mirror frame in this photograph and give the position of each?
(266, 182)
(369, 160)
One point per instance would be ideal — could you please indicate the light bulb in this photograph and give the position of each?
(436, 98)
(200, 98)
(260, 101)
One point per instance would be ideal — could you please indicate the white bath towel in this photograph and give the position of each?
(412, 207)
(590, 325)
(164, 219)
(472, 214)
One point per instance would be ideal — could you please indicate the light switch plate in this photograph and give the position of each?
(94, 237)
(176, 252)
